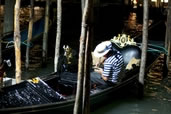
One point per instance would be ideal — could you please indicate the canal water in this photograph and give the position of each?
(157, 98)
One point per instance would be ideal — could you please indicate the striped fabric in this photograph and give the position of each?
(113, 65)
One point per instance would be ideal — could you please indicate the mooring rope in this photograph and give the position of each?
(156, 48)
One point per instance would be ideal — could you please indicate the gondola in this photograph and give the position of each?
(8, 38)
(55, 93)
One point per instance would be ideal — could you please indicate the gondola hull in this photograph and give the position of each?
(8, 40)
(56, 93)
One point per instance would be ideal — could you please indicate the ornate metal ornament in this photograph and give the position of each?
(123, 40)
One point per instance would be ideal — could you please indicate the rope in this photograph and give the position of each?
(11, 44)
(29, 45)
(160, 47)
(155, 50)
(154, 47)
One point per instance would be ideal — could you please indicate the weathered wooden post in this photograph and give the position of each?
(168, 32)
(17, 41)
(0, 38)
(88, 60)
(58, 34)
(86, 82)
(8, 16)
(1, 78)
(144, 49)
(82, 5)
(30, 30)
(45, 34)
(79, 107)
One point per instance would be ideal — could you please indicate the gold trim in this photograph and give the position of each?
(123, 40)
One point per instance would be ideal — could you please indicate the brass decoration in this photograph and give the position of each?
(123, 40)
(34, 80)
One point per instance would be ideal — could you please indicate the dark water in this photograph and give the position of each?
(128, 103)
(157, 98)
(131, 105)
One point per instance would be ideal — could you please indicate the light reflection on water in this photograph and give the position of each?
(131, 25)
(24, 15)
(132, 21)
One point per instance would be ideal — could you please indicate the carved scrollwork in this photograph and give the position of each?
(123, 40)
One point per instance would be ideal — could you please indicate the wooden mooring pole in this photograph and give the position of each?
(58, 34)
(144, 49)
(17, 41)
(30, 31)
(168, 32)
(86, 80)
(0, 38)
(45, 34)
(8, 25)
(1, 78)
(79, 107)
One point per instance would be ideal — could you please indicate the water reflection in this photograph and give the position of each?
(24, 15)
(131, 26)
(132, 22)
